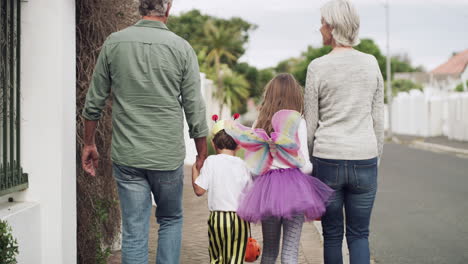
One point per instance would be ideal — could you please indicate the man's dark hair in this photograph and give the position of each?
(224, 141)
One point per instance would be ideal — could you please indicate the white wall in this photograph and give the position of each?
(212, 104)
(212, 107)
(48, 131)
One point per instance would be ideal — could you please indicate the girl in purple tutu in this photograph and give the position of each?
(283, 195)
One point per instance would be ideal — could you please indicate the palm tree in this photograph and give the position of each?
(235, 89)
(220, 46)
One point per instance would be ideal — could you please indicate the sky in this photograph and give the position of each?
(428, 31)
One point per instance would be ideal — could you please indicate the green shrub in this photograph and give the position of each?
(405, 86)
(459, 87)
(401, 85)
(8, 244)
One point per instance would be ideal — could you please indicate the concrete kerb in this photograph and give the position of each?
(439, 148)
(420, 144)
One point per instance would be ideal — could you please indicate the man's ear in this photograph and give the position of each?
(169, 5)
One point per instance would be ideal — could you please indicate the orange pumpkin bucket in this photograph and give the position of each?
(252, 250)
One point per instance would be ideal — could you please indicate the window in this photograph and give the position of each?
(12, 178)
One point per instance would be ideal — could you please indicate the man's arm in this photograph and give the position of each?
(95, 102)
(202, 151)
(194, 106)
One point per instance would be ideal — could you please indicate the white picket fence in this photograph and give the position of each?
(458, 117)
(428, 114)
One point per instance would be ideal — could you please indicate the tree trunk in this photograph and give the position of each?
(221, 108)
(220, 92)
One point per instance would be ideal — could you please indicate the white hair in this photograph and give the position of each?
(344, 20)
(156, 8)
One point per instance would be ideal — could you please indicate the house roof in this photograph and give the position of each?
(455, 65)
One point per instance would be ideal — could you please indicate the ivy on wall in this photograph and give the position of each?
(97, 200)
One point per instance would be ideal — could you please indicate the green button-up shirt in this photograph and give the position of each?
(154, 77)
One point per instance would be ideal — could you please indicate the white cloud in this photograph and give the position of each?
(427, 30)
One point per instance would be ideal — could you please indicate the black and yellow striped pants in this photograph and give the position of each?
(228, 236)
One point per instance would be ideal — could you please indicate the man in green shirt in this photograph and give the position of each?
(155, 78)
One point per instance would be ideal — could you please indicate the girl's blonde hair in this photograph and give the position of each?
(282, 92)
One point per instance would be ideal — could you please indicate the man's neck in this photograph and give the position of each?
(153, 18)
(226, 152)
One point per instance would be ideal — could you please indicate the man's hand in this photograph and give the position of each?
(199, 163)
(90, 159)
(195, 171)
(202, 150)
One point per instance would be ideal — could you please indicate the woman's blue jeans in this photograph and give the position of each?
(355, 185)
(135, 187)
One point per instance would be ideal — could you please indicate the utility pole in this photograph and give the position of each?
(389, 72)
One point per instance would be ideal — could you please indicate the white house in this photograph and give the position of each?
(443, 78)
(439, 110)
(43, 216)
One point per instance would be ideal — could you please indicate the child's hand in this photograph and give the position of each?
(195, 173)
(195, 169)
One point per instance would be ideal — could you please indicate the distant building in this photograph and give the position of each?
(444, 77)
(251, 115)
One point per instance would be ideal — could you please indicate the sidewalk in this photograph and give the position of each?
(195, 240)
(437, 144)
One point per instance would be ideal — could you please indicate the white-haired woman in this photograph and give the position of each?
(344, 115)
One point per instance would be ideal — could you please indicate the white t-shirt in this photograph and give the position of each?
(224, 177)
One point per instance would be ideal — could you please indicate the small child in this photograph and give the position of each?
(224, 176)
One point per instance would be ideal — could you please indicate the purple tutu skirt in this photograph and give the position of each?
(284, 193)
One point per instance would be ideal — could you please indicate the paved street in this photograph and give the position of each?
(422, 208)
(420, 215)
